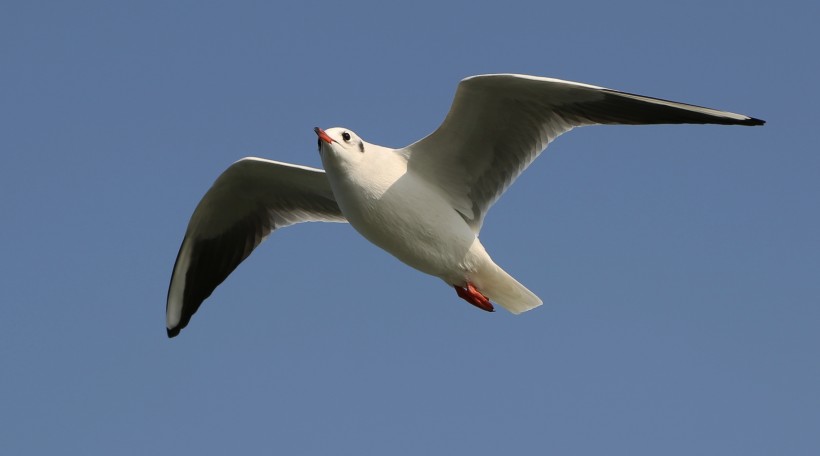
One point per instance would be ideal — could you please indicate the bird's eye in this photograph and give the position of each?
(346, 136)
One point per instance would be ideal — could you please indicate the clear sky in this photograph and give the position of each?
(679, 265)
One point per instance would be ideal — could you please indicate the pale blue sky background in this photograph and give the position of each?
(678, 264)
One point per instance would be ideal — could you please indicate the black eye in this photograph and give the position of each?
(346, 136)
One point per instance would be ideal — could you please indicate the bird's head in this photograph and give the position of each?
(340, 144)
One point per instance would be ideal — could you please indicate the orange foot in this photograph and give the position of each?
(474, 297)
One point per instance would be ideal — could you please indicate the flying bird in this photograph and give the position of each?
(424, 203)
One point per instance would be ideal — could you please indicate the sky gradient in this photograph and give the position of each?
(678, 264)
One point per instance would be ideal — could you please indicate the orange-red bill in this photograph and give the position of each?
(322, 135)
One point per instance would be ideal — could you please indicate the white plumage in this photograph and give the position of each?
(424, 203)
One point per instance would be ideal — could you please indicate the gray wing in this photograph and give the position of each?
(498, 124)
(247, 202)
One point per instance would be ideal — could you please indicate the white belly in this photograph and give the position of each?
(409, 219)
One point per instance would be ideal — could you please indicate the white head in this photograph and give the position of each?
(341, 145)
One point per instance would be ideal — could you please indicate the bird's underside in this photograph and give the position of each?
(497, 125)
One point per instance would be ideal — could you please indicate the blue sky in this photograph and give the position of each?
(678, 264)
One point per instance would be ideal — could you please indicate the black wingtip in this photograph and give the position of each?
(173, 332)
(753, 121)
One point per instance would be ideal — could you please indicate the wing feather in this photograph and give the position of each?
(498, 124)
(246, 203)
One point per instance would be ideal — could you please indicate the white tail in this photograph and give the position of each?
(494, 283)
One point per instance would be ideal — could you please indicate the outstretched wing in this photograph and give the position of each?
(247, 202)
(499, 123)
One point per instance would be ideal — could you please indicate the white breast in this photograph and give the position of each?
(400, 212)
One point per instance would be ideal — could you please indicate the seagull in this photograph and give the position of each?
(424, 203)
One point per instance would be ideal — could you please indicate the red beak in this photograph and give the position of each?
(322, 135)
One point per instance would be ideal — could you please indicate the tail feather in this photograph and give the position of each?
(504, 290)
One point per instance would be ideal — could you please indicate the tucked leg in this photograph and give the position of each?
(470, 294)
